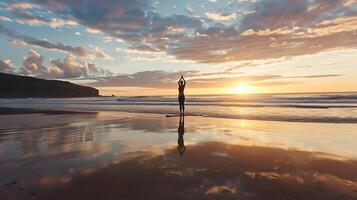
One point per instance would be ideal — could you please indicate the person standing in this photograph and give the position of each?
(181, 96)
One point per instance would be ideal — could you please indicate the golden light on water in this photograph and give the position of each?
(243, 88)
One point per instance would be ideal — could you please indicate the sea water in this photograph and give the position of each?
(317, 107)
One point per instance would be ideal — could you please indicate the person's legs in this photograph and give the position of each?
(183, 109)
(183, 105)
(179, 100)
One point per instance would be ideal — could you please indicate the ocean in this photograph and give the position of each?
(317, 107)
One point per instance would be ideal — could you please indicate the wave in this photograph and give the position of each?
(312, 98)
(239, 105)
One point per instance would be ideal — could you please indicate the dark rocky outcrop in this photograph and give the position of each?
(13, 86)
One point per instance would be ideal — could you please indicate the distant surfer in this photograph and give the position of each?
(181, 97)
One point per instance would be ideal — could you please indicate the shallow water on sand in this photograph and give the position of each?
(112, 155)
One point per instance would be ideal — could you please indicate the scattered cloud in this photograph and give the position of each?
(21, 6)
(20, 39)
(23, 16)
(350, 2)
(97, 52)
(67, 68)
(5, 19)
(93, 31)
(189, 9)
(266, 30)
(18, 42)
(6, 66)
(279, 31)
(164, 79)
(316, 76)
(70, 67)
(334, 26)
(131, 21)
(219, 16)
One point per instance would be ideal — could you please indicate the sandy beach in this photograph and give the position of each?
(186, 100)
(118, 155)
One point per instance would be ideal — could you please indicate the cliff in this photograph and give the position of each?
(13, 86)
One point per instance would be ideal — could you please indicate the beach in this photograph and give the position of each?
(121, 155)
(186, 100)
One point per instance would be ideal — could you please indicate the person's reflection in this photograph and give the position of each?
(180, 141)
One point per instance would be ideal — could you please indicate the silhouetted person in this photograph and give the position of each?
(181, 97)
(180, 141)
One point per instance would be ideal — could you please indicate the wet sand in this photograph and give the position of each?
(14, 111)
(113, 155)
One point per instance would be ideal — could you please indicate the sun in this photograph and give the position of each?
(243, 88)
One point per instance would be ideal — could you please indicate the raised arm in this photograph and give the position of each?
(179, 81)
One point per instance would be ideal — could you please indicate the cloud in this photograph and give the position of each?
(67, 68)
(20, 6)
(164, 79)
(5, 19)
(133, 21)
(18, 42)
(219, 16)
(33, 65)
(138, 50)
(6, 66)
(274, 14)
(350, 2)
(79, 51)
(70, 67)
(93, 31)
(97, 52)
(268, 43)
(270, 29)
(333, 26)
(276, 29)
(316, 76)
(266, 32)
(189, 9)
(23, 16)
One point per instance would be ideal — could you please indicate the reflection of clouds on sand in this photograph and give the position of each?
(27, 142)
(255, 172)
(30, 162)
(221, 189)
(49, 181)
(148, 124)
(143, 152)
(147, 144)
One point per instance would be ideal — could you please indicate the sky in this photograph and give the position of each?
(142, 47)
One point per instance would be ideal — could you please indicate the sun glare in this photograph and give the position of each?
(243, 88)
